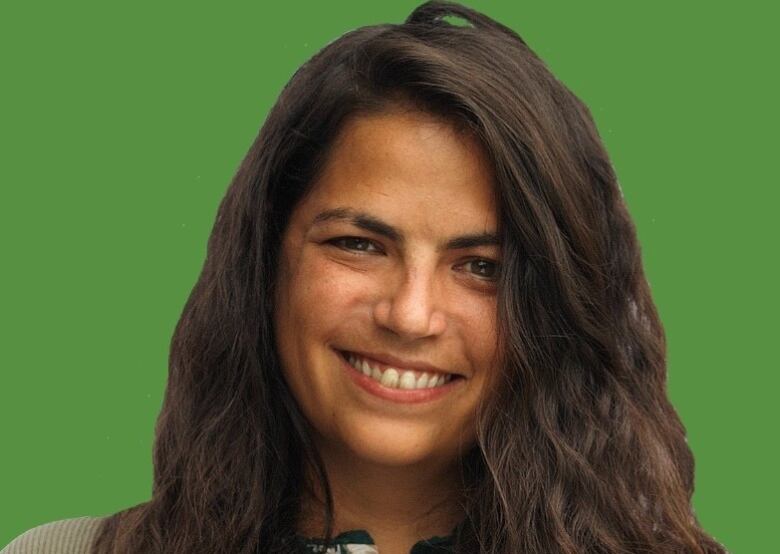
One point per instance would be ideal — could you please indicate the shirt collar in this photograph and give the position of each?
(359, 541)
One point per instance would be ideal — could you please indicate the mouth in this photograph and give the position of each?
(382, 378)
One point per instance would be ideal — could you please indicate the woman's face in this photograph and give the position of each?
(389, 265)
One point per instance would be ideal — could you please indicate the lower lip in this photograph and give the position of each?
(402, 396)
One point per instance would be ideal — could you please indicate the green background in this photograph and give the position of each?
(122, 125)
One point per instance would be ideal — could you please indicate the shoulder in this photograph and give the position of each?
(66, 536)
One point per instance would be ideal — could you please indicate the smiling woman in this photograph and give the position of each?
(422, 326)
(388, 337)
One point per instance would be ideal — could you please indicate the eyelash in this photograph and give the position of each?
(337, 242)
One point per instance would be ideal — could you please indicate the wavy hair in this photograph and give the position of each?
(579, 448)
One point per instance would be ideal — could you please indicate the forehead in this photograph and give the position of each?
(410, 167)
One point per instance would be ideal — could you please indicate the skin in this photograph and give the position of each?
(410, 299)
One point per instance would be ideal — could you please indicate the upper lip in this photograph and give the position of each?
(399, 363)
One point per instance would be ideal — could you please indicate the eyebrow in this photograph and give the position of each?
(375, 225)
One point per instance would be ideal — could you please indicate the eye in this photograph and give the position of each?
(355, 244)
(484, 269)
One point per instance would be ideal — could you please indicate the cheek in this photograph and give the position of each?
(319, 301)
(477, 326)
(323, 290)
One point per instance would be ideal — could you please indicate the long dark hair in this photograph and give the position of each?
(579, 449)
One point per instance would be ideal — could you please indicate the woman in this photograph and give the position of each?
(422, 325)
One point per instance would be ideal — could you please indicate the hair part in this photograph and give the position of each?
(579, 448)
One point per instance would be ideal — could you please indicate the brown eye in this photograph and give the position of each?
(484, 269)
(355, 244)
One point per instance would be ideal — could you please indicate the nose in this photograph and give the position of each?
(409, 307)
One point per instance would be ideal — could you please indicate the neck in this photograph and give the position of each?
(398, 506)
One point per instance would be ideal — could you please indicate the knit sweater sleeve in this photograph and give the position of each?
(67, 536)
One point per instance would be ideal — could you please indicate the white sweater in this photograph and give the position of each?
(67, 536)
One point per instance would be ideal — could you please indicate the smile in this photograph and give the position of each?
(397, 378)
(419, 384)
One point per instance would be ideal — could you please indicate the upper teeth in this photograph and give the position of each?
(398, 378)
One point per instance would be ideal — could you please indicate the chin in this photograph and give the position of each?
(393, 445)
(381, 455)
